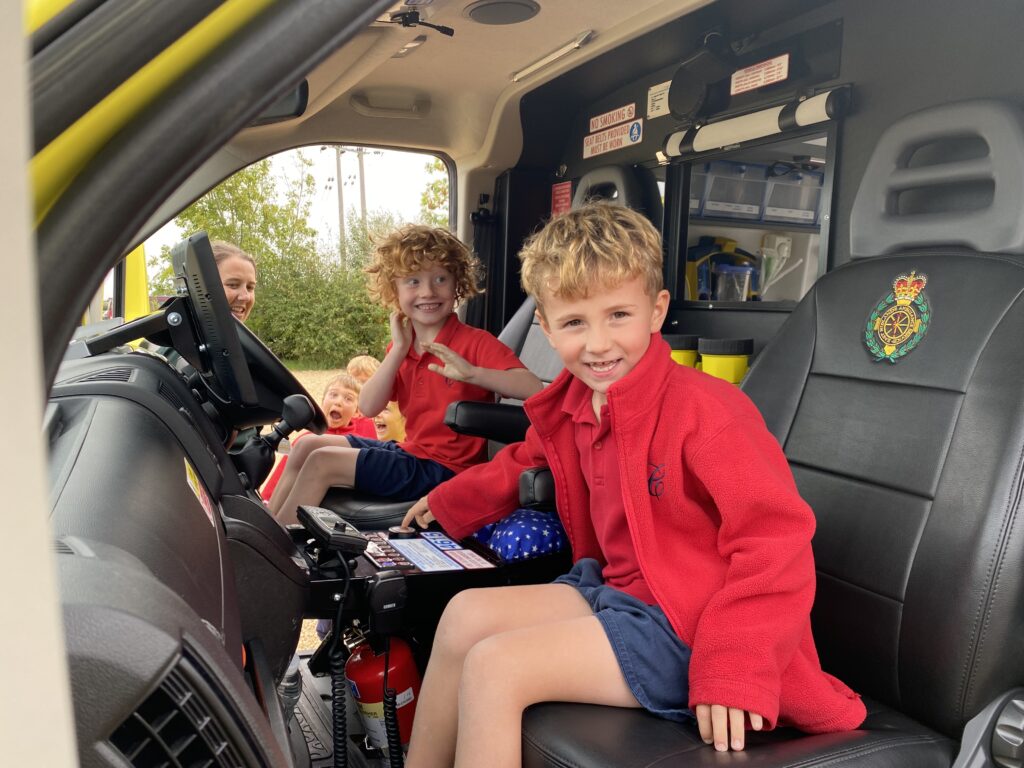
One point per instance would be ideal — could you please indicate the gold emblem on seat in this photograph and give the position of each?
(900, 320)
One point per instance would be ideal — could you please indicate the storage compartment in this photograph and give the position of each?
(698, 188)
(735, 190)
(794, 197)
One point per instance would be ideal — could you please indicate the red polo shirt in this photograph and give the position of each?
(596, 444)
(423, 396)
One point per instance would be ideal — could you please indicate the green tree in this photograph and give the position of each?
(161, 274)
(434, 206)
(359, 238)
(310, 309)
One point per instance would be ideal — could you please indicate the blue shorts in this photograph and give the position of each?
(384, 469)
(654, 661)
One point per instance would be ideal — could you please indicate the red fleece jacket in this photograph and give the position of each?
(721, 534)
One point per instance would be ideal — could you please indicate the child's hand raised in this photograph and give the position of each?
(455, 366)
(401, 333)
(724, 726)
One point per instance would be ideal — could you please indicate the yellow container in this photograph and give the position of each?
(725, 358)
(687, 357)
(684, 348)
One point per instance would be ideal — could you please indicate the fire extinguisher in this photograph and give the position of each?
(383, 678)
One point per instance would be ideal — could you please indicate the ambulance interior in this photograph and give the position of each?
(798, 156)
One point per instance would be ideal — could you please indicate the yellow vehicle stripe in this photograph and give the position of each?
(59, 162)
(136, 285)
(38, 12)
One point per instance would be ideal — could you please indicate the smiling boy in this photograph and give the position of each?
(693, 580)
(420, 273)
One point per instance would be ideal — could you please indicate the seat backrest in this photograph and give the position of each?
(895, 389)
(630, 186)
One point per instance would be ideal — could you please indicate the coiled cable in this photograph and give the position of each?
(339, 731)
(394, 735)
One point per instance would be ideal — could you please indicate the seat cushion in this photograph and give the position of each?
(367, 513)
(572, 735)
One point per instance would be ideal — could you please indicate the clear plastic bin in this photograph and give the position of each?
(735, 190)
(795, 197)
(698, 188)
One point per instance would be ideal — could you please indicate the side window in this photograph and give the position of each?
(308, 216)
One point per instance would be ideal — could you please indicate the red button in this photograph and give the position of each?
(597, 446)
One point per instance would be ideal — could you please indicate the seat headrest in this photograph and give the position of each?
(629, 186)
(950, 175)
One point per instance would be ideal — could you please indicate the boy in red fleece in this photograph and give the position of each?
(694, 577)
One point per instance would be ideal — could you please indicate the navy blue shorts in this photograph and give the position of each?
(654, 661)
(384, 469)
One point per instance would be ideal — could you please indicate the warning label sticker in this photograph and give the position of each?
(192, 478)
(620, 115)
(759, 75)
(613, 138)
(561, 197)
(657, 99)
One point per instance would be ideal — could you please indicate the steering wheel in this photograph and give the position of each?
(229, 352)
(273, 381)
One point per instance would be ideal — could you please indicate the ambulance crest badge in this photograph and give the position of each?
(900, 320)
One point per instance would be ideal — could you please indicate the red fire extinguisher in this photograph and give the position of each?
(365, 673)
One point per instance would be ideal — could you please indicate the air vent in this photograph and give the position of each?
(121, 374)
(61, 547)
(175, 727)
(171, 397)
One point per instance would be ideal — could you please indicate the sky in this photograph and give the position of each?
(394, 182)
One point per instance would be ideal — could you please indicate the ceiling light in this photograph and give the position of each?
(501, 11)
(573, 45)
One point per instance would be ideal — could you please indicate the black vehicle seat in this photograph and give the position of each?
(632, 186)
(914, 469)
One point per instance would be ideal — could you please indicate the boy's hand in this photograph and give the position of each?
(455, 366)
(420, 514)
(724, 726)
(401, 333)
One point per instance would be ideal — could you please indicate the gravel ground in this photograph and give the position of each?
(314, 382)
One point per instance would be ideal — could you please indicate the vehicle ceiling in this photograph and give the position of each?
(464, 81)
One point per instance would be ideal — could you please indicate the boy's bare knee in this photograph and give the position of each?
(487, 671)
(465, 620)
(301, 450)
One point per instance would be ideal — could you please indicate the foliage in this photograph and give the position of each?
(308, 306)
(360, 235)
(311, 304)
(434, 199)
(161, 274)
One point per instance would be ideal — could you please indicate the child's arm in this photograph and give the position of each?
(519, 383)
(751, 627)
(374, 396)
(483, 493)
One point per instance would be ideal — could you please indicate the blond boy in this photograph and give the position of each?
(692, 584)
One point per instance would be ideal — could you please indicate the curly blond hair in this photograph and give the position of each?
(414, 247)
(593, 246)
